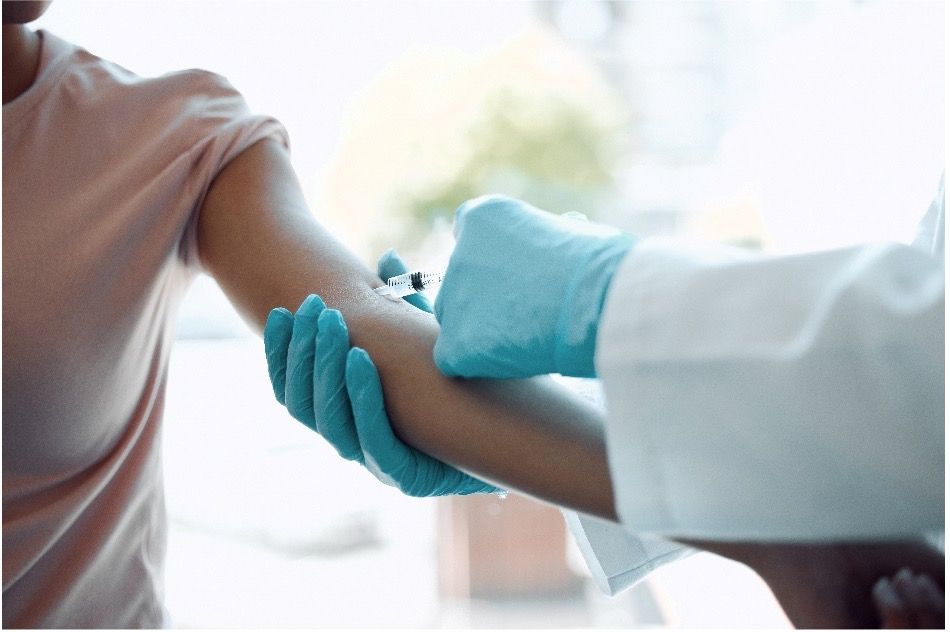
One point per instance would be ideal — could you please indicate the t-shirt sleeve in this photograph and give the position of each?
(224, 127)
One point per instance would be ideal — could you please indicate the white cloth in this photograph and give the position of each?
(771, 397)
(618, 558)
(850, 351)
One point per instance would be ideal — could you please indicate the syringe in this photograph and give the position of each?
(410, 283)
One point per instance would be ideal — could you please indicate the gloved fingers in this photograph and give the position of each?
(491, 204)
(473, 485)
(300, 358)
(461, 356)
(453, 354)
(459, 483)
(390, 265)
(444, 355)
(376, 436)
(386, 456)
(277, 333)
(419, 301)
(331, 403)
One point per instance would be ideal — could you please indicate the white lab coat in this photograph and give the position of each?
(770, 397)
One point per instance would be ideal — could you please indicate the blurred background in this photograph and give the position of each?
(773, 125)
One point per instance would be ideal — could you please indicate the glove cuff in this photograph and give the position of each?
(583, 302)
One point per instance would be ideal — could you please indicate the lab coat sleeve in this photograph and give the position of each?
(753, 397)
(616, 557)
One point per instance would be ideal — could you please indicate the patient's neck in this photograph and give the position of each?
(21, 59)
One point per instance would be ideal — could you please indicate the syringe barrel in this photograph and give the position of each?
(412, 282)
(418, 281)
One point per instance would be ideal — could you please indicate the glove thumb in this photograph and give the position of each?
(391, 264)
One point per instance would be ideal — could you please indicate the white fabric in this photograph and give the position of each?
(778, 397)
(618, 558)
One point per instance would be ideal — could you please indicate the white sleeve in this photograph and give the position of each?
(776, 397)
(618, 558)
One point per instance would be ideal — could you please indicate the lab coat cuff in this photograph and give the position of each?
(617, 558)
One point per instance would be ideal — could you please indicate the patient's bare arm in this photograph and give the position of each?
(263, 246)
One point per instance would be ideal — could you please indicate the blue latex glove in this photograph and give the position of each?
(523, 291)
(336, 391)
(306, 360)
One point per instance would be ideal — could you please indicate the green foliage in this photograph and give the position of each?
(553, 151)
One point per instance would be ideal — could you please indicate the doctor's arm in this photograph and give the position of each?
(732, 379)
(258, 239)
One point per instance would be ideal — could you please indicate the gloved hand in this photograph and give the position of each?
(336, 391)
(523, 291)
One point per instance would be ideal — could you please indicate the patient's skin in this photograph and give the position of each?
(21, 47)
(261, 243)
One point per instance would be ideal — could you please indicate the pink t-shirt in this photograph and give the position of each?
(103, 174)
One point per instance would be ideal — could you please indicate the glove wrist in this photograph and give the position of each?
(582, 305)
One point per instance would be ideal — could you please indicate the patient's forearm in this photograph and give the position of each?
(530, 435)
(261, 244)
